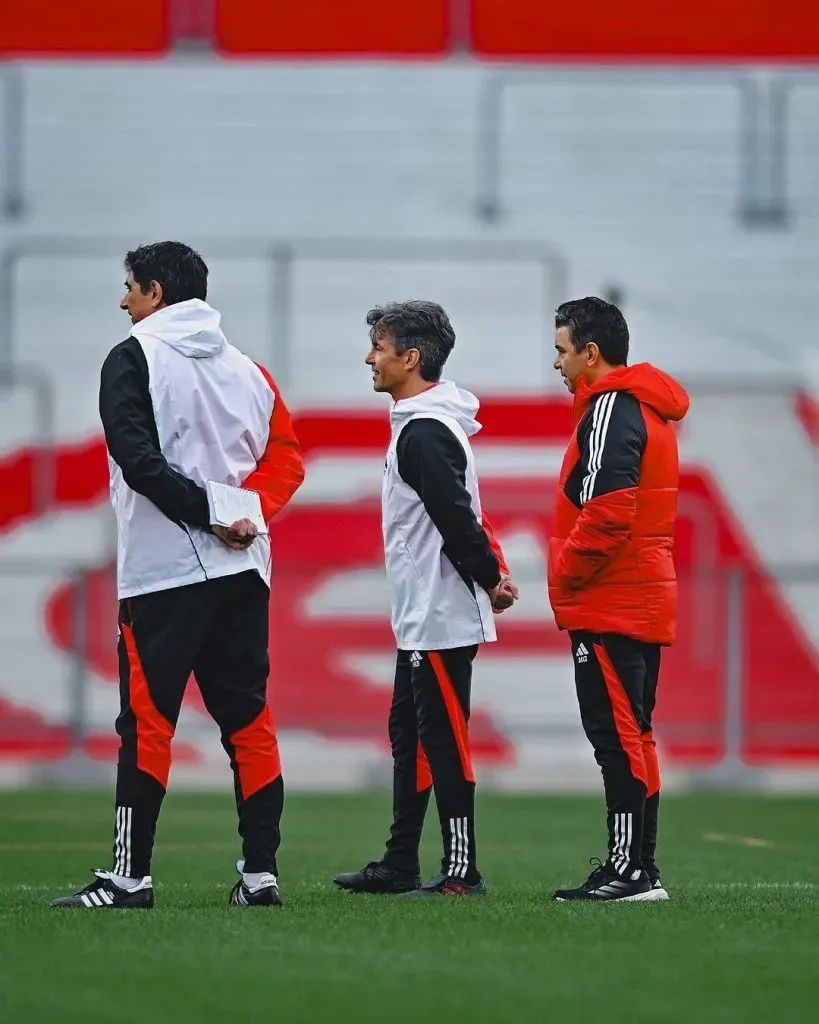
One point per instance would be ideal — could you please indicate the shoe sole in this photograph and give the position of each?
(372, 892)
(652, 896)
(345, 887)
(432, 895)
(82, 906)
(427, 893)
(257, 906)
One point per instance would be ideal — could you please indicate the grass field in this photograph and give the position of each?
(739, 941)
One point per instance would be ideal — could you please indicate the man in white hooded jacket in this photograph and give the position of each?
(446, 575)
(181, 406)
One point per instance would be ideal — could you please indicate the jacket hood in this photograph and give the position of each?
(648, 385)
(445, 399)
(191, 327)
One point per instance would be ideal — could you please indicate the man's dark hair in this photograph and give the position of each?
(416, 324)
(180, 270)
(593, 319)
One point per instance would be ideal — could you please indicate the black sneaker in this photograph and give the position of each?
(102, 894)
(604, 883)
(446, 885)
(378, 877)
(265, 894)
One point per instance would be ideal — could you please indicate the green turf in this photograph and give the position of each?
(739, 942)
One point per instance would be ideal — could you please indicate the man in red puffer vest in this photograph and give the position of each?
(612, 582)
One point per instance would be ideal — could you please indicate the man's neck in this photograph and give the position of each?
(411, 389)
(601, 371)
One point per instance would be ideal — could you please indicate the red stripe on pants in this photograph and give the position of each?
(652, 763)
(423, 773)
(456, 715)
(257, 753)
(154, 731)
(626, 724)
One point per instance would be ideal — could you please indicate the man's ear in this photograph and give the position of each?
(157, 296)
(412, 357)
(592, 353)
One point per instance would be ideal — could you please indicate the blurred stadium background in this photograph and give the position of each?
(498, 156)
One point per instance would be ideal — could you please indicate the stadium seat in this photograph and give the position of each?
(328, 28)
(83, 28)
(724, 30)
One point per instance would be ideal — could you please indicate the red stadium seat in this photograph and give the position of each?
(322, 28)
(632, 30)
(34, 28)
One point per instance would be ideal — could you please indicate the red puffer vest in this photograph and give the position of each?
(611, 565)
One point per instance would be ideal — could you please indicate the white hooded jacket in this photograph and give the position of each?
(180, 406)
(439, 559)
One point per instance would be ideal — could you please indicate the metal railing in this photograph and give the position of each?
(764, 95)
(12, 111)
(764, 99)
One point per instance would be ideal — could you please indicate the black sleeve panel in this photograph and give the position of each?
(612, 440)
(432, 462)
(128, 420)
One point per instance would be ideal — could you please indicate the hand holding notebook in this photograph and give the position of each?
(229, 504)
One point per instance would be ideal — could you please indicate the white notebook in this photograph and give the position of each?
(227, 504)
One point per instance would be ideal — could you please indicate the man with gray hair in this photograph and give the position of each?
(447, 576)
